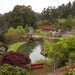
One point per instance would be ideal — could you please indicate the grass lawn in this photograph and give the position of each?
(15, 46)
(56, 37)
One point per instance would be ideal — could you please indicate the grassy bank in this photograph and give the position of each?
(15, 46)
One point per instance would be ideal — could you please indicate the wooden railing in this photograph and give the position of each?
(37, 65)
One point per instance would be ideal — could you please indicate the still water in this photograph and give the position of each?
(35, 55)
(33, 50)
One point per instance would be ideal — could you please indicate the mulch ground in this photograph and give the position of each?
(41, 71)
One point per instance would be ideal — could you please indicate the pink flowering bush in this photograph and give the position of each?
(46, 28)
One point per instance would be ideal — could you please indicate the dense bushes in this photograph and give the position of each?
(20, 30)
(14, 34)
(11, 70)
(69, 72)
(2, 39)
(15, 59)
(38, 31)
(47, 61)
(3, 48)
(61, 52)
(68, 23)
(11, 37)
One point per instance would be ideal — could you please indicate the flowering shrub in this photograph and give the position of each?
(11, 70)
(46, 28)
(38, 27)
(15, 59)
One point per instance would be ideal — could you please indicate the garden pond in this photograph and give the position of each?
(33, 50)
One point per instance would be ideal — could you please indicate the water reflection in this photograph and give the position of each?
(33, 50)
(35, 55)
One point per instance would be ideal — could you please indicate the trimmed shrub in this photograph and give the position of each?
(20, 30)
(11, 30)
(11, 37)
(38, 31)
(15, 59)
(11, 70)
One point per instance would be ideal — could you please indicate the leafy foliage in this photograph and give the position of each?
(2, 39)
(20, 30)
(11, 70)
(68, 23)
(27, 28)
(65, 48)
(11, 37)
(14, 34)
(11, 29)
(21, 18)
(3, 48)
(69, 72)
(38, 31)
(43, 61)
(15, 59)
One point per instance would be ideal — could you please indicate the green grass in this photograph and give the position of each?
(56, 37)
(15, 46)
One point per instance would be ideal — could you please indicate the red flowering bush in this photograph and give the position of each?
(15, 59)
(46, 28)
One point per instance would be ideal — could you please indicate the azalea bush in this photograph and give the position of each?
(11, 70)
(46, 28)
(15, 59)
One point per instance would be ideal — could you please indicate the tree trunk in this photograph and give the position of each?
(69, 60)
